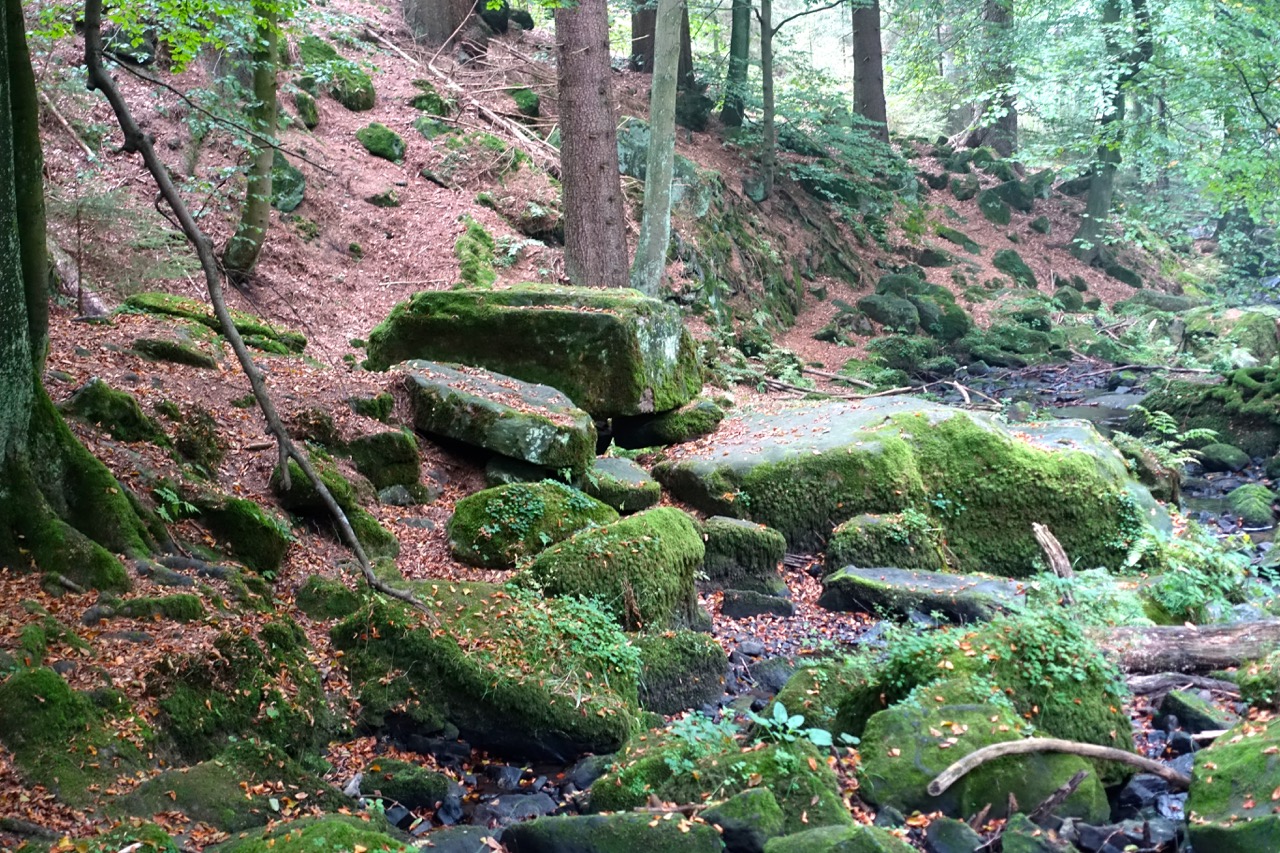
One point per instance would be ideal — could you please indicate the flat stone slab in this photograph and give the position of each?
(960, 598)
(532, 423)
(622, 484)
(612, 351)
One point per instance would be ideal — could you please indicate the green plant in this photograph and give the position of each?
(1163, 441)
(1192, 572)
(699, 737)
(783, 727)
(170, 506)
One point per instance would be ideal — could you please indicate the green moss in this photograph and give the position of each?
(158, 349)
(615, 833)
(906, 540)
(115, 411)
(412, 786)
(180, 607)
(325, 598)
(1069, 298)
(429, 100)
(642, 568)
(378, 407)
(332, 833)
(1223, 457)
(1011, 264)
(250, 534)
(381, 141)
(192, 309)
(621, 484)
(961, 239)
(1260, 681)
(474, 251)
(993, 208)
(1016, 194)
(816, 691)
(527, 102)
(386, 458)
(198, 439)
(308, 112)
(499, 526)
(680, 670)
(965, 188)
(892, 312)
(1244, 409)
(857, 838)
(1229, 807)
(748, 819)
(692, 420)
(1252, 503)
(743, 555)
(152, 838)
(302, 497)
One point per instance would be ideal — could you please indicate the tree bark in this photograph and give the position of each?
(655, 223)
(1196, 649)
(769, 144)
(242, 252)
(868, 68)
(998, 118)
(644, 43)
(595, 240)
(436, 21)
(735, 83)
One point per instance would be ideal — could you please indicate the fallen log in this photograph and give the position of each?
(1204, 648)
(1161, 683)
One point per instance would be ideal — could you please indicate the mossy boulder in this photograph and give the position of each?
(904, 540)
(747, 820)
(514, 672)
(742, 555)
(612, 351)
(474, 250)
(1193, 713)
(176, 352)
(1247, 335)
(609, 834)
(326, 598)
(198, 439)
(680, 670)
(993, 207)
(1017, 194)
(387, 458)
(1243, 408)
(497, 527)
(191, 309)
(429, 100)
(309, 835)
(410, 785)
(180, 607)
(288, 184)
(803, 468)
(117, 412)
(891, 311)
(1252, 503)
(303, 498)
(961, 239)
(965, 188)
(249, 533)
(233, 791)
(903, 592)
(533, 423)
(621, 484)
(1223, 457)
(642, 568)
(348, 83)
(1229, 806)
(259, 685)
(1069, 298)
(1011, 264)
(857, 838)
(692, 420)
(806, 791)
(377, 406)
(526, 101)
(381, 141)
(308, 111)
(904, 747)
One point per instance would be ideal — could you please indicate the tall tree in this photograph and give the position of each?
(242, 252)
(1128, 57)
(868, 67)
(61, 511)
(997, 118)
(595, 239)
(644, 19)
(769, 144)
(735, 83)
(435, 21)
(655, 222)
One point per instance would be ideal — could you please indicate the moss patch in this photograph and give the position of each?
(302, 497)
(381, 141)
(474, 251)
(191, 309)
(117, 412)
(250, 534)
(411, 785)
(313, 834)
(743, 555)
(325, 598)
(386, 458)
(499, 526)
(905, 540)
(680, 670)
(159, 349)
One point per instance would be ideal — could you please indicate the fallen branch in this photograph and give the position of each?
(1167, 648)
(1057, 798)
(1163, 682)
(972, 761)
(135, 141)
(70, 584)
(1053, 551)
(53, 111)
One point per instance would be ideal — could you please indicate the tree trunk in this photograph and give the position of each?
(685, 79)
(735, 83)
(655, 224)
(61, 511)
(769, 144)
(436, 21)
(644, 43)
(1198, 649)
(868, 68)
(595, 239)
(242, 252)
(998, 117)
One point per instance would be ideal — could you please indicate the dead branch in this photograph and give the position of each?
(836, 377)
(1057, 798)
(1203, 648)
(1161, 683)
(972, 761)
(1053, 550)
(53, 111)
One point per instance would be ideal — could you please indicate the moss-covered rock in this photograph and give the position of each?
(1193, 713)
(806, 467)
(993, 208)
(376, 406)
(902, 592)
(180, 607)
(1229, 806)
(904, 540)
(411, 785)
(288, 184)
(806, 791)
(429, 100)
(381, 141)
(516, 673)
(308, 112)
(1017, 194)
(532, 423)
(747, 820)
(610, 834)
(621, 484)
(117, 412)
(262, 685)
(247, 531)
(961, 239)
(680, 670)
(233, 791)
(199, 439)
(326, 598)
(904, 747)
(1223, 457)
(302, 497)
(965, 188)
(191, 309)
(309, 835)
(348, 83)
(1069, 298)
(1252, 503)
(613, 352)
(498, 527)
(1011, 264)
(527, 102)
(386, 458)
(692, 420)
(890, 311)
(474, 250)
(1244, 408)
(743, 555)
(642, 568)
(857, 838)
(163, 349)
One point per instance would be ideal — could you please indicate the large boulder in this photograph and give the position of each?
(613, 352)
(858, 838)
(904, 540)
(609, 833)
(743, 555)
(622, 484)
(499, 526)
(962, 598)
(1230, 806)
(532, 423)
(803, 468)
(680, 670)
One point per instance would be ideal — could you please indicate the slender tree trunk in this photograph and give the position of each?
(998, 117)
(868, 67)
(769, 154)
(655, 224)
(685, 79)
(595, 239)
(735, 84)
(242, 252)
(644, 19)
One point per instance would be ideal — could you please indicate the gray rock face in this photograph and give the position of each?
(961, 598)
(622, 484)
(532, 423)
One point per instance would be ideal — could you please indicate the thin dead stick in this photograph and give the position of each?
(837, 377)
(1057, 798)
(1053, 550)
(135, 141)
(972, 761)
(84, 146)
(1163, 682)
(963, 393)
